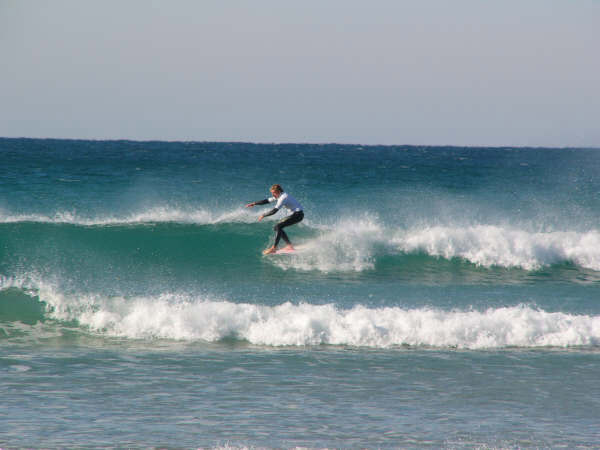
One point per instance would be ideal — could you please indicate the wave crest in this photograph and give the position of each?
(488, 245)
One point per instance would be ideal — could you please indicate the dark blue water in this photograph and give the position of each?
(439, 296)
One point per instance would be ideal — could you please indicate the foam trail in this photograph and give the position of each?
(156, 214)
(189, 318)
(489, 245)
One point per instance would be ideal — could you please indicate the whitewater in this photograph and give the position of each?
(184, 317)
(439, 296)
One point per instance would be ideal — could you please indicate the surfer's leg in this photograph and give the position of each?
(291, 220)
(279, 233)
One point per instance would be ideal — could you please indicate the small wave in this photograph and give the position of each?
(356, 244)
(190, 318)
(488, 245)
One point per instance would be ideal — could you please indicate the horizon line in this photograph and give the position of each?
(282, 143)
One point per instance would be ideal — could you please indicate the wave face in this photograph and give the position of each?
(417, 246)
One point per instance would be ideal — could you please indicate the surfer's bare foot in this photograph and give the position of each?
(269, 250)
(289, 248)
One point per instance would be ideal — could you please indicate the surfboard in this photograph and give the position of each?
(283, 251)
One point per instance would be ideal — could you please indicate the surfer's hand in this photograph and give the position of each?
(250, 205)
(261, 218)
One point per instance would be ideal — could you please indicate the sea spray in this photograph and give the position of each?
(156, 214)
(349, 245)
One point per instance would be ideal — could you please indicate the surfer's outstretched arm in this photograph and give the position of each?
(263, 202)
(260, 202)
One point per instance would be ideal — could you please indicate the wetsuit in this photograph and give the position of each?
(292, 205)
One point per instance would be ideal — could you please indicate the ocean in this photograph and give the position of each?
(440, 297)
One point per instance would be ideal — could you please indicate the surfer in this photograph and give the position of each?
(283, 199)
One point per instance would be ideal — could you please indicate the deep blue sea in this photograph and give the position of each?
(440, 297)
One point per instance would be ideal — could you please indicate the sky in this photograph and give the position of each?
(430, 72)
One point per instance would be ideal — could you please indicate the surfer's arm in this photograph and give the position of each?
(270, 213)
(261, 202)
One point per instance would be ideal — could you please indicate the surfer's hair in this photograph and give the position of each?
(276, 187)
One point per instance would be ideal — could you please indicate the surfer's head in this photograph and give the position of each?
(276, 190)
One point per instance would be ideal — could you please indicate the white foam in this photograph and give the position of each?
(489, 245)
(305, 324)
(189, 318)
(347, 246)
(156, 214)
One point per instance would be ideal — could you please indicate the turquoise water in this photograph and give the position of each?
(440, 296)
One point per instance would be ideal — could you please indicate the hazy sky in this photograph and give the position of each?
(459, 72)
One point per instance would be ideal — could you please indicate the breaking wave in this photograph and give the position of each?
(489, 245)
(189, 317)
(356, 245)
